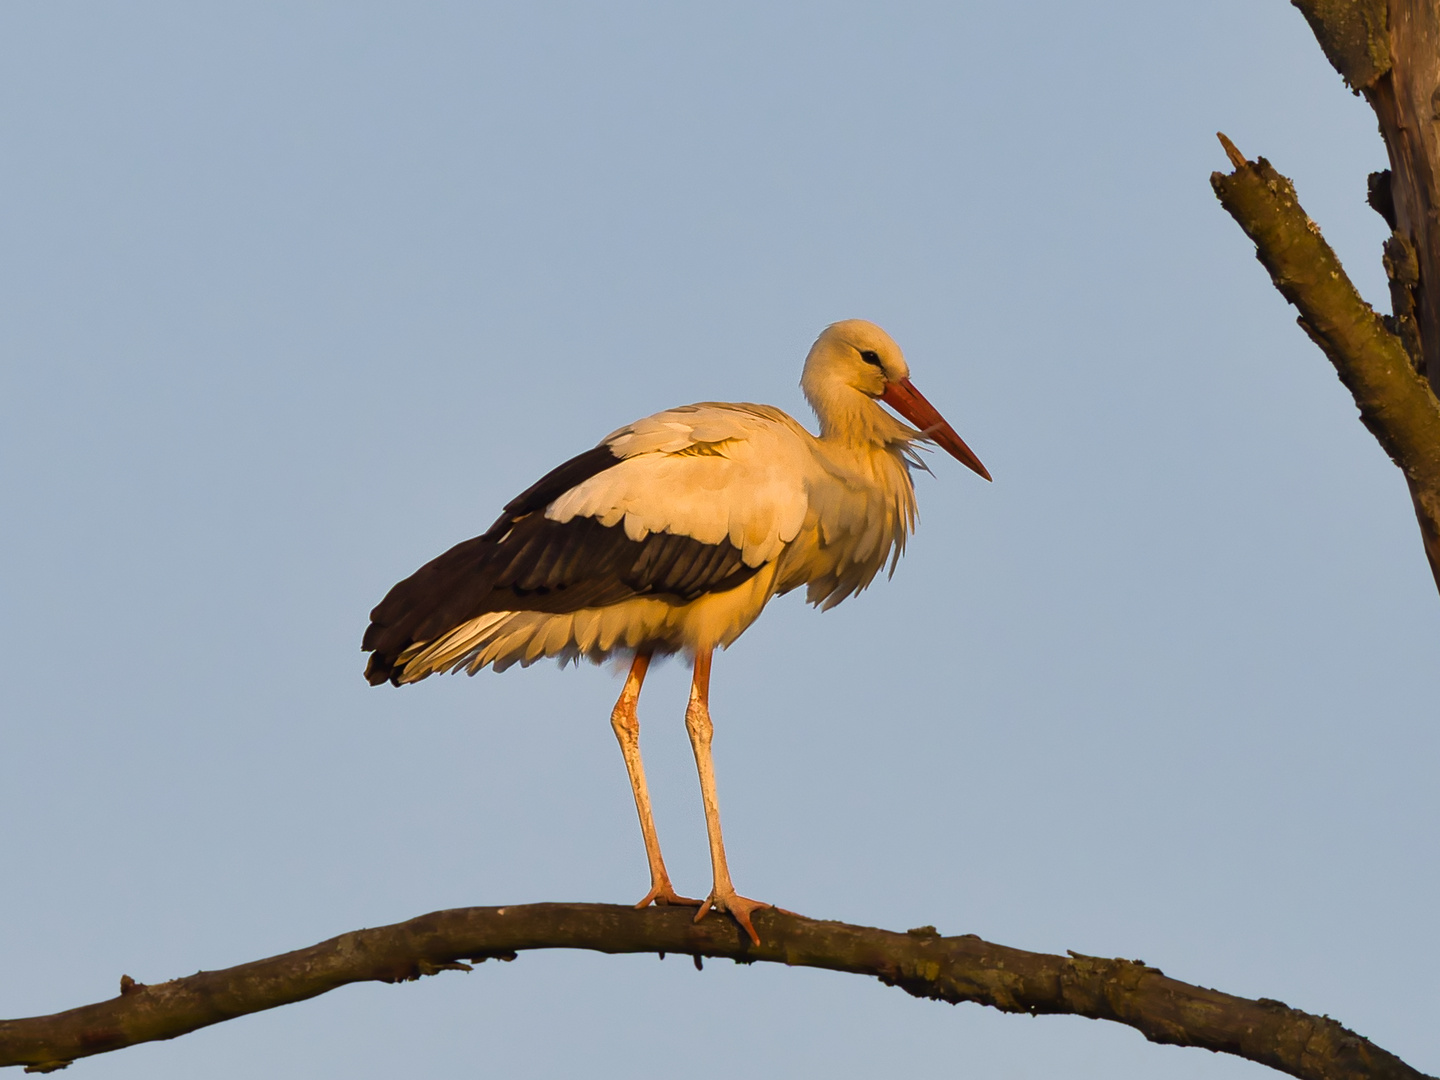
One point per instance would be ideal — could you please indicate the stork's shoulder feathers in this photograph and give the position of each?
(713, 471)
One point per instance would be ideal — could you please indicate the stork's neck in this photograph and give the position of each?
(851, 418)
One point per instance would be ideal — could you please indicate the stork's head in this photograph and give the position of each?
(857, 353)
(855, 360)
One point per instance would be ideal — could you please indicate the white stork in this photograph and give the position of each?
(671, 536)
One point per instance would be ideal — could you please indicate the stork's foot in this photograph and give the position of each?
(664, 894)
(738, 906)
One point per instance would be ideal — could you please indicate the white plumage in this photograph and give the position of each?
(671, 536)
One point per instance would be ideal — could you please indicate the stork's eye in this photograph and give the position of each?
(870, 356)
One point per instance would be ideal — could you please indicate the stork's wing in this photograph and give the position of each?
(718, 473)
(678, 505)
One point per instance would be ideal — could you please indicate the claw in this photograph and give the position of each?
(664, 895)
(739, 908)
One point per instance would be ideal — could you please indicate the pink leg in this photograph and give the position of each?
(723, 896)
(626, 723)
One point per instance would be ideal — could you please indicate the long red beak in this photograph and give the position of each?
(911, 404)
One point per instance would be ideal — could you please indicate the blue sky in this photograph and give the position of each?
(297, 295)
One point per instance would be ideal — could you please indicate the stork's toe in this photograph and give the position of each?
(664, 894)
(739, 908)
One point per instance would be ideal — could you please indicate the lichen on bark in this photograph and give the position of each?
(1354, 35)
(1396, 402)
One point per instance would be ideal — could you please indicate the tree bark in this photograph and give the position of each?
(1369, 352)
(1389, 51)
(920, 962)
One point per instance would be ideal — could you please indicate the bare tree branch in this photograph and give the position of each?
(1388, 50)
(921, 962)
(1396, 402)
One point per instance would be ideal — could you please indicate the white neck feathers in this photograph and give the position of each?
(848, 415)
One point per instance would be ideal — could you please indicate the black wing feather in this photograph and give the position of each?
(526, 562)
(555, 483)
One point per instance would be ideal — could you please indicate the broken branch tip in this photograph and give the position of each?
(1232, 151)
